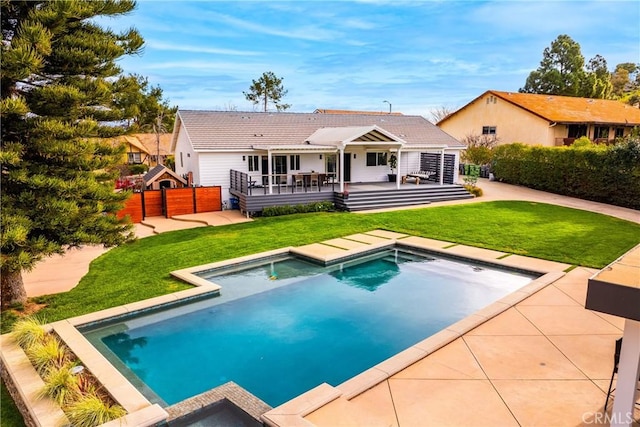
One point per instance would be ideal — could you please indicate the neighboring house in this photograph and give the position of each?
(144, 148)
(162, 177)
(158, 146)
(239, 149)
(136, 153)
(547, 120)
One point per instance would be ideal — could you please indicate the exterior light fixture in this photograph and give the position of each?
(389, 105)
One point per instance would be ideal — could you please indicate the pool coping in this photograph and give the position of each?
(142, 412)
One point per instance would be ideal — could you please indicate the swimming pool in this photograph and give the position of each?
(283, 325)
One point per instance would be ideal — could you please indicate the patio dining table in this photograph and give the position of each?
(306, 177)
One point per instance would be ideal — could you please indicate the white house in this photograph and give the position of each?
(268, 150)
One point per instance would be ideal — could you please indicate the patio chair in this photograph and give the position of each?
(298, 179)
(314, 181)
(616, 361)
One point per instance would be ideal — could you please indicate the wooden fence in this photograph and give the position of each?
(169, 202)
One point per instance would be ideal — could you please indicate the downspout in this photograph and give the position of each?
(269, 171)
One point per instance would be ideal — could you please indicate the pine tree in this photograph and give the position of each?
(267, 88)
(58, 77)
(563, 71)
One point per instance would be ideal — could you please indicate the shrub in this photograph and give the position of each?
(47, 353)
(138, 169)
(607, 174)
(60, 384)
(471, 178)
(67, 387)
(476, 191)
(90, 410)
(479, 149)
(324, 206)
(28, 331)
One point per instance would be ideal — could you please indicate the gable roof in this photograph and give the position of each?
(566, 109)
(148, 140)
(133, 141)
(342, 136)
(231, 130)
(159, 170)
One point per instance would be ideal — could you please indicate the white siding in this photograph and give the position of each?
(409, 162)
(185, 157)
(215, 167)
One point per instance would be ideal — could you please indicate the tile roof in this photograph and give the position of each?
(325, 111)
(231, 130)
(568, 109)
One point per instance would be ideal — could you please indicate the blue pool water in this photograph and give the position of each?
(283, 326)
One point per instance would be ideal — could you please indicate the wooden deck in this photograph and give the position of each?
(360, 196)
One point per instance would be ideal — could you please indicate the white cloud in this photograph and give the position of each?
(172, 47)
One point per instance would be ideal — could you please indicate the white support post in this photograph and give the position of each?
(628, 373)
(398, 171)
(341, 163)
(270, 171)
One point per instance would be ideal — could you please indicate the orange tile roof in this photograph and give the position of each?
(568, 109)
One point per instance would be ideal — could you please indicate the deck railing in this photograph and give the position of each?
(251, 184)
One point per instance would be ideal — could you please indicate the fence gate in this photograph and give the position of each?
(152, 202)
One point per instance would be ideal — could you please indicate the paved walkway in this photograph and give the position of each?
(61, 273)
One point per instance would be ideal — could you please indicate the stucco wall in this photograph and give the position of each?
(513, 124)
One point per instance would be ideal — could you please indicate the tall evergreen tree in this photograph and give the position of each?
(143, 104)
(268, 88)
(563, 71)
(626, 82)
(560, 71)
(597, 80)
(58, 78)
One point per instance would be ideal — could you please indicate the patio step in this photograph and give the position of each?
(379, 199)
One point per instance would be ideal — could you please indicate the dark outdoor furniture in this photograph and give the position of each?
(616, 361)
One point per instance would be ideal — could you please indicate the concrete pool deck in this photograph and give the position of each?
(536, 357)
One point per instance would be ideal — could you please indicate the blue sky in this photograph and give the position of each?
(417, 55)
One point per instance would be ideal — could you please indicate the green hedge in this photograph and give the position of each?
(293, 209)
(608, 174)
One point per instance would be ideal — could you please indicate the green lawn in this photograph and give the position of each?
(141, 269)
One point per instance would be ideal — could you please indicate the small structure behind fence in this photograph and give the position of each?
(169, 202)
